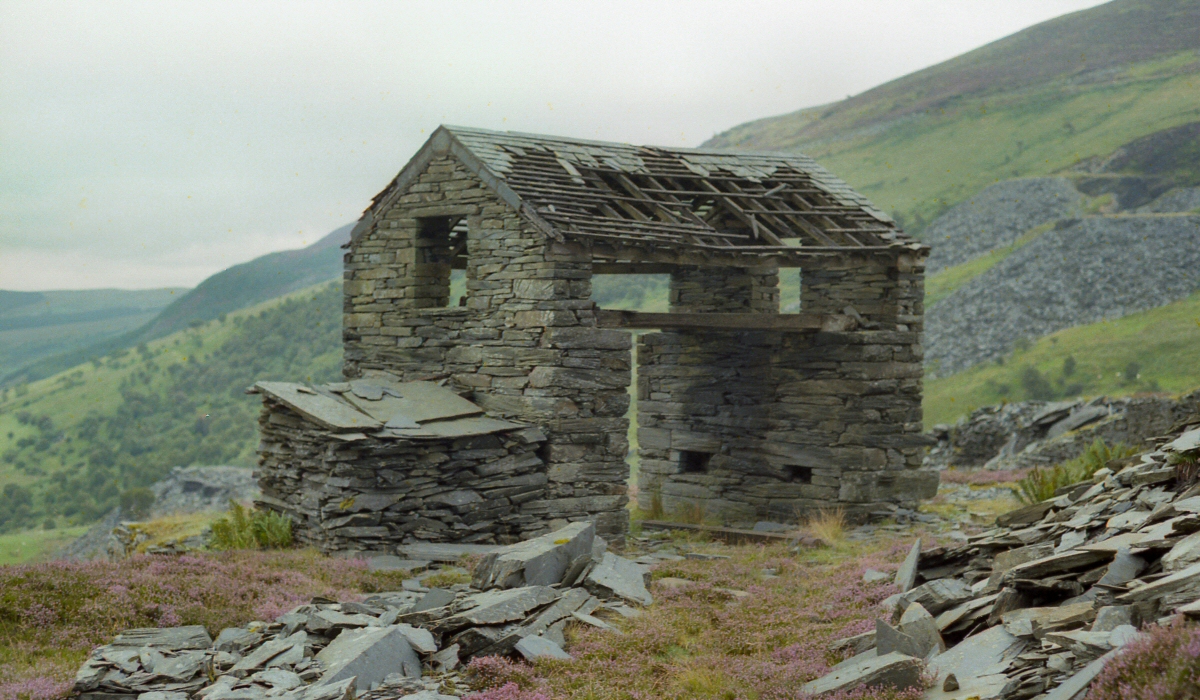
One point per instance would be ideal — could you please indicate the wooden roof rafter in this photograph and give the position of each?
(713, 203)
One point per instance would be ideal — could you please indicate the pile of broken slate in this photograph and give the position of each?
(400, 644)
(1035, 607)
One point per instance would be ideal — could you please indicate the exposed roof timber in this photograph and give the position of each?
(606, 318)
(651, 199)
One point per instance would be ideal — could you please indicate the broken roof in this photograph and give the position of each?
(726, 201)
(385, 408)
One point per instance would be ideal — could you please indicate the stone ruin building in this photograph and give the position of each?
(743, 412)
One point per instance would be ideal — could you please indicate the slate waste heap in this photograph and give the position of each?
(404, 643)
(1034, 607)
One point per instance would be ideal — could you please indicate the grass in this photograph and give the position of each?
(1041, 484)
(1160, 342)
(247, 528)
(32, 545)
(828, 526)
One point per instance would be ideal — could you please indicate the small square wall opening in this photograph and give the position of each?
(798, 475)
(691, 462)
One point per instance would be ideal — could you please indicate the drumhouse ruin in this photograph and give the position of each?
(505, 413)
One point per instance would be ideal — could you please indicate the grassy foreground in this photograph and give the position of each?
(755, 626)
(53, 614)
(752, 626)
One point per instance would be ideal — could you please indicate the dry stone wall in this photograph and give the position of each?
(370, 494)
(752, 425)
(525, 344)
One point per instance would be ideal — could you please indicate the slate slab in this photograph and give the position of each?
(620, 577)
(169, 638)
(987, 653)
(391, 562)
(533, 648)
(289, 650)
(498, 607)
(887, 671)
(1057, 564)
(368, 656)
(541, 561)
(919, 625)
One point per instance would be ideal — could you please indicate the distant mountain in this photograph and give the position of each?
(237, 287)
(263, 278)
(34, 325)
(1070, 92)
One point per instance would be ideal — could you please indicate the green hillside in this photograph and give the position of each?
(1066, 92)
(1151, 351)
(70, 444)
(36, 324)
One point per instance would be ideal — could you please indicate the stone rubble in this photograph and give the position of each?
(1034, 607)
(408, 643)
(1024, 434)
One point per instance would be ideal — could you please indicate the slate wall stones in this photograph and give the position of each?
(449, 478)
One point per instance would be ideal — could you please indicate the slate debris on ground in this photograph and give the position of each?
(1033, 607)
(379, 648)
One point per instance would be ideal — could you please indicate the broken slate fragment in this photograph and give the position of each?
(919, 625)
(368, 655)
(888, 639)
(533, 648)
(435, 598)
(498, 607)
(541, 561)
(939, 595)
(289, 650)
(906, 575)
(620, 577)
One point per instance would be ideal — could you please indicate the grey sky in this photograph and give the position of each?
(153, 144)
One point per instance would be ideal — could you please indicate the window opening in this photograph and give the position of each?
(798, 475)
(693, 462)
(442, 240)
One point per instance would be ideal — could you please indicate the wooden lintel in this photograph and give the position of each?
(617, 268)
(606, 318)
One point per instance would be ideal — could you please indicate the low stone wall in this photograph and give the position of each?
(370, 494)
(1034, 433)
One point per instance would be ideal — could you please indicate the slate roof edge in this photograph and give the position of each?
(443, 142)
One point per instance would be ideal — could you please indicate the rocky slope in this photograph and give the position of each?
(1084, 271)
(997, 217)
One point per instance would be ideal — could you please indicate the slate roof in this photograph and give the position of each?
(662, 197)
(385, 408)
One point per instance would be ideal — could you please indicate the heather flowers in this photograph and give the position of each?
(1163, 663)
(53, 614)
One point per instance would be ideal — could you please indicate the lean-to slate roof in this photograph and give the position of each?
(385, 408)
(724, 201)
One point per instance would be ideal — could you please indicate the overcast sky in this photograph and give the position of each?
(153, 144)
